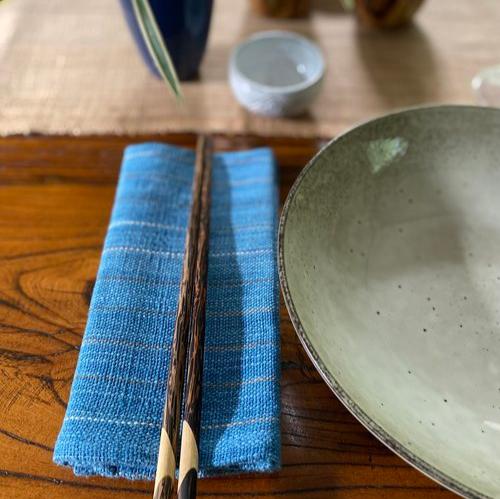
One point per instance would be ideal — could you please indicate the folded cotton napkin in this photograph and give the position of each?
(112, 424)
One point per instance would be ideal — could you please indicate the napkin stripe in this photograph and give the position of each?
(178, 228)
(169, 254)
(218, 348)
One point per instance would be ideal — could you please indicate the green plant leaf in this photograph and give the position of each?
(347, 4)
(156, 45)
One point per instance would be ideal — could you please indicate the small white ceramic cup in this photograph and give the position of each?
(276, 73)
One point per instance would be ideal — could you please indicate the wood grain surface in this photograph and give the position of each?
(55, 201)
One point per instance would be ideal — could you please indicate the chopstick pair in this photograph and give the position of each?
(189, 336)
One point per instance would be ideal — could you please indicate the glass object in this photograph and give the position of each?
(486, 86)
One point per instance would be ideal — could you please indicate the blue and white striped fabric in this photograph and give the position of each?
(112, 424)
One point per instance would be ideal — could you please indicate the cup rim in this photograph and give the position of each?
(313, 48)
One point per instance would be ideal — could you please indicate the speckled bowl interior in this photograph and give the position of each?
(390, 266)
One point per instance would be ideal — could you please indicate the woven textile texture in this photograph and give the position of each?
(112, 424)
(71, 66)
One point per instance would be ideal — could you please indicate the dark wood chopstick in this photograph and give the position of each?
(189, 457)
(169, 439)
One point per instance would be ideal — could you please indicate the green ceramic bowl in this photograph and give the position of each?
(389, 254)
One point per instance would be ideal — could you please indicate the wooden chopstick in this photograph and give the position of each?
(189, 457)
(169, 439)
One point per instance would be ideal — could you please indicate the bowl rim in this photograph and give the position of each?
(279, 35)
(392, 443)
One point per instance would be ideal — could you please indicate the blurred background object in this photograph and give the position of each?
(184, 25)
(282, 8)
(73, 68)
(386, 13)
(486, 85)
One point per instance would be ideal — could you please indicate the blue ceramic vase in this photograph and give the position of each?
(184, 25)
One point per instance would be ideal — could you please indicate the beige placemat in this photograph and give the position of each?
(70, 66)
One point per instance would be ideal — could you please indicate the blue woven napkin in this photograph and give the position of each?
(112, 424)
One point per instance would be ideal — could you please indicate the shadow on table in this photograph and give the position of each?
(401, 65)
(225, 324)
(329, 7)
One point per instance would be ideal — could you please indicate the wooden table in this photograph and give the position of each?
(55, 201)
